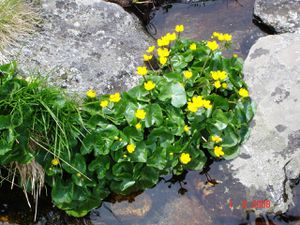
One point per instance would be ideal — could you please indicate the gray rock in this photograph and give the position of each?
(272, 71)
(85, 44)
(281, 15)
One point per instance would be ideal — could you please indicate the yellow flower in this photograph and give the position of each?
(163, 52)
(193, 46)
(149, 85)
(163, 60)
(163, 41)
(104, 103)
(142, 70)
(150, 49)
(227, 37)
(171, 37)
(91, 93)
(218, 151)
(138, 126)
(206, 104)
(198, 101)
(185, 158)
(215, 34)
(217, 84)
(218, 75)
(212, 45)
(224, 85)
(140, 114)
(216, 138)
(215, 75)
(147, 57)
(179, 28)
(130, 148)
(235, 55)
(192, 107)
(186, 128)
(220, 37)
(55, 161)
(243, 92)
(222, 75)
(115, 97)
(187, 74)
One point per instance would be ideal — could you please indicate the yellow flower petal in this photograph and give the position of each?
(212, 45)
(185, 158)
(115, 97)
(140, 114)
(55, 162)
(91, 93)
(218, 151)
(104, 103)
(243, 93)
(142, 70)
(130, 148)
(179, 28)
(193, 46)
(149, 85)
(187, 74)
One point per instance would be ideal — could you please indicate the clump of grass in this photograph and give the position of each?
(18, 18)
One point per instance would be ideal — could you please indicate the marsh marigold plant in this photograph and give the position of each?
(191, 104)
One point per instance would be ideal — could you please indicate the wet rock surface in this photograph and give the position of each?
(183, 210)
(138, 207)
(271, 168)
(85, 44)
(281, 15)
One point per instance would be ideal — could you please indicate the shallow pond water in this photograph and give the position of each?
(201, 18)
(185, 200)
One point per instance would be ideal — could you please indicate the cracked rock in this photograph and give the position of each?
(272, 72)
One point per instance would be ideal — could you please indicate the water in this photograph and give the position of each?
(185, 200)
(204, 17)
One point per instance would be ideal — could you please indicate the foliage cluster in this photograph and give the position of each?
(193, 104)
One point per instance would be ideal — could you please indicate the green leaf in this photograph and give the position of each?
(140, 153)
(130, 113)
(133, 134)
(154, 115)
(77, 164)
(219, 119)
(138, 92)
(178, 62)
(178, 95)
(230, 138)
(158, 159)
(5, 122)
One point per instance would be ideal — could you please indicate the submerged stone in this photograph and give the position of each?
(272, 72)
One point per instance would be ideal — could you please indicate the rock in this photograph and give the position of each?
(280, 15)
(272, 72)
(181, 211)
(139, 207)
(85, 44)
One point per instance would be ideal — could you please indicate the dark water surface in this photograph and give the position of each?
(204, 17)
(185, 200)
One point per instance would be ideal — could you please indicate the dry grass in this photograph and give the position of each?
(18, 18)
(33, 178)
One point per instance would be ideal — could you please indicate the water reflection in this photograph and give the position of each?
(201, 18)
